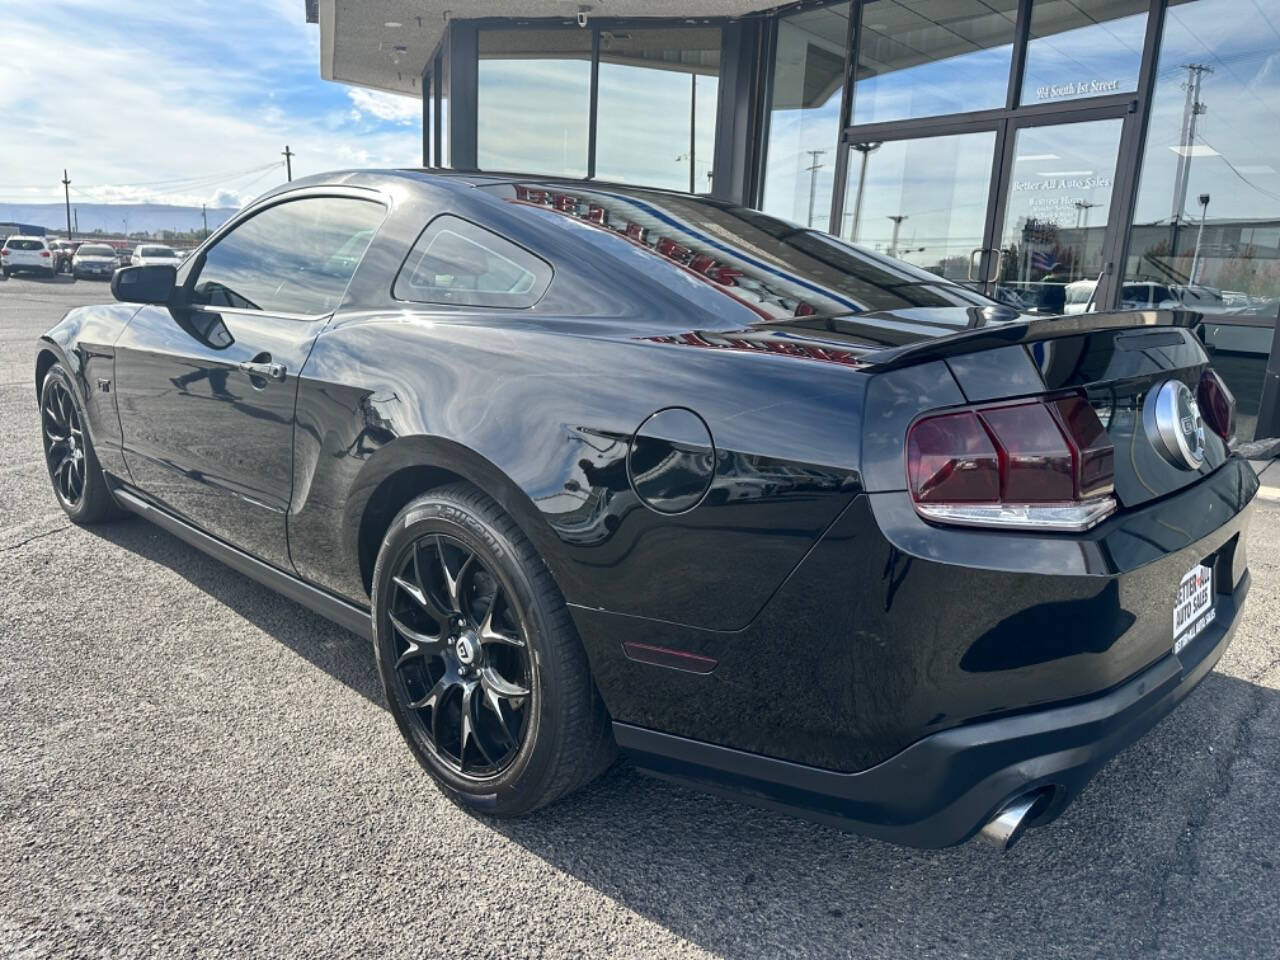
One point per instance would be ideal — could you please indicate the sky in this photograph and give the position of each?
(179, 102)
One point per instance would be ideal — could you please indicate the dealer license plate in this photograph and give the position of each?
(1193, 606)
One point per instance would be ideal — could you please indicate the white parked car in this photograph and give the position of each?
(151, 253)
(33, 254)
(1134, 295)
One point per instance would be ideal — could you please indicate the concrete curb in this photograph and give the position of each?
(1268, 472)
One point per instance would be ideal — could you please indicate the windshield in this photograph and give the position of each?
(779, 269)
(156, 252)
(95, 250)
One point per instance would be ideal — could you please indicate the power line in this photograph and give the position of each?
(1232, 167)
(173, 183)
(246, 186)
(228, 174)
(204, 183)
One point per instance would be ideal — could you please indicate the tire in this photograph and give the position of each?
(78, 484)
(540, 746)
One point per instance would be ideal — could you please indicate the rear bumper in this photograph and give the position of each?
(942, 789)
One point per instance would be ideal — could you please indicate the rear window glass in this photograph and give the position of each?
(781, 269)
(455, 261)
(18, 244)
(156, 252)
(95, 250)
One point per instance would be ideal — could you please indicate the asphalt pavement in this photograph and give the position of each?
(192, 766)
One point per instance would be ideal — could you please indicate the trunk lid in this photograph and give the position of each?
(1117, 360)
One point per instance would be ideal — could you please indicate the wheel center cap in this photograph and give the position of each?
(467, 647)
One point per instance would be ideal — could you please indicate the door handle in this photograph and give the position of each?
(1000, 255)
(272, 371)
(976, 251)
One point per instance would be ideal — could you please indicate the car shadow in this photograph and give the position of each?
(340, 653)
(61, 278)
(1171, 849)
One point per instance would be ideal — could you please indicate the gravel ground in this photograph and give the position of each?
(193, 766)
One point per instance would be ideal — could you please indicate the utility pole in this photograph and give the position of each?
(897, 223)
(1186, 145)
(75, 216)
(66, 195)
(813, 169)
(288, 161)
(1195, 261)
(205, 220)
(864, 149)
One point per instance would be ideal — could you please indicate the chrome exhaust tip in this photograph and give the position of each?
(1004, 829)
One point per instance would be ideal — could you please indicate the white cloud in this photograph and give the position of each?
(150, 107)
(385, 106)
(225, 198)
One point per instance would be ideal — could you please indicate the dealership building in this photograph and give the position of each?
(1059, 155)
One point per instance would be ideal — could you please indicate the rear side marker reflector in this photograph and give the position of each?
(1030, 464)
(666, 657)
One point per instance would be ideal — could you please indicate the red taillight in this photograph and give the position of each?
(1217, 404)
(1095, 456)
(1035, 461)
(4, 252)
(1047, 464)
(950, 459)
(44, 253)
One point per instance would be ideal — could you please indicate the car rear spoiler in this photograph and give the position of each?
(1023, 332)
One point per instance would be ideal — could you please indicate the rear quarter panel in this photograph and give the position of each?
(541, 414)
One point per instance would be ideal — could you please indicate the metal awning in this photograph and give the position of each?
(385, 44)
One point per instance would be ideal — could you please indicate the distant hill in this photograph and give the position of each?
(111, 217)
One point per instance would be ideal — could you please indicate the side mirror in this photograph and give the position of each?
(151, 283)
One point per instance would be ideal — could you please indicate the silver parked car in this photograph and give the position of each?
(94, 260)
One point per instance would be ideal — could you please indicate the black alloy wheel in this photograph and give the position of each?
(463, 668)
(482, 667)
(77, 477)
(64, 444)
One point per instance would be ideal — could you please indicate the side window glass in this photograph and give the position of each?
(294, 257)
(455, 261)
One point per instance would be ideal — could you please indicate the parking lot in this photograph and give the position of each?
(193, 766)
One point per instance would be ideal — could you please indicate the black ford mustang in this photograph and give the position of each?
(604, 468)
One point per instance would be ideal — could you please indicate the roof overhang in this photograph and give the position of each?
(385, 44)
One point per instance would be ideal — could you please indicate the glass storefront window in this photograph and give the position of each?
(804, 116)
(1083, 48)
(428, 119)
(533, 100)
(1055, 217)
(921, 58)
(1206, 229)
(922, 200)
(656, 107)
(444, 102)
